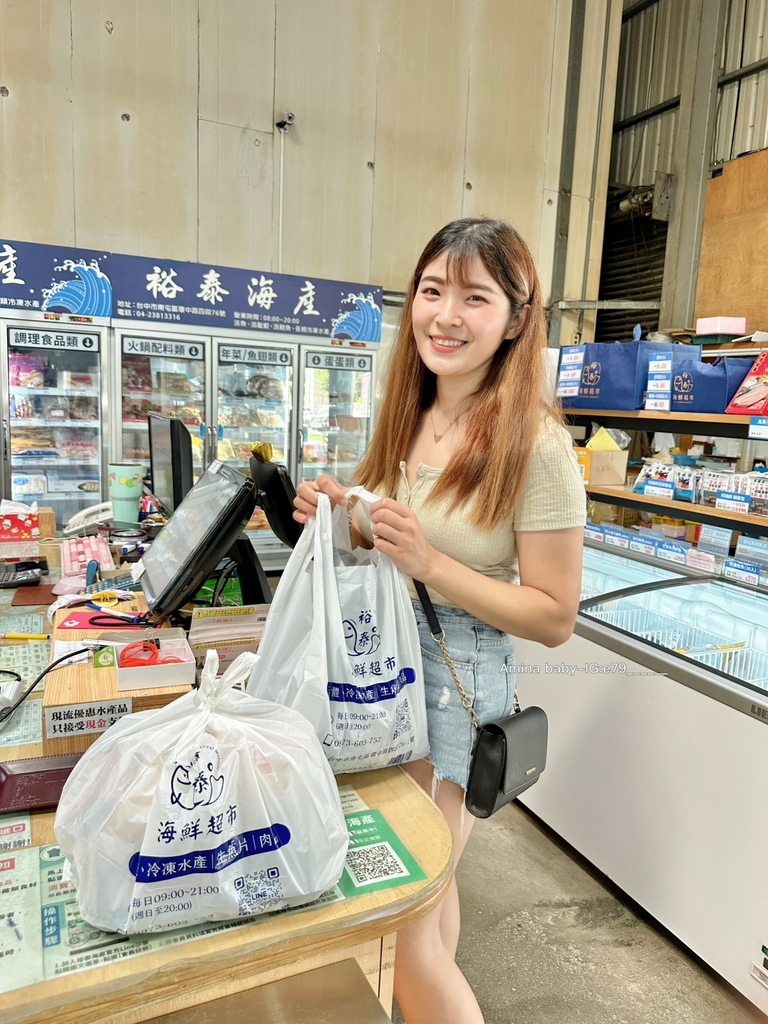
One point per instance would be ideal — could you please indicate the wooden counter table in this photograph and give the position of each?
(144, 986)
(176, 976)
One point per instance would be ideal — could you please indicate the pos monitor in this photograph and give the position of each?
(206, 527)
(170, 460)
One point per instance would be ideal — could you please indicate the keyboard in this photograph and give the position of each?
(77, 552)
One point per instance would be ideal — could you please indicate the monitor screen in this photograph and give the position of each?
(170, 460)
(274, 494)
(197, 536)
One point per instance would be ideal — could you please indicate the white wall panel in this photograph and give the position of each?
(134, 144)
(325, 73)
(510, 82)
(421, 116)
(36, 200)
(237, 62)
(235, 198)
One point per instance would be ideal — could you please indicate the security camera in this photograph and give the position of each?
(286, 123)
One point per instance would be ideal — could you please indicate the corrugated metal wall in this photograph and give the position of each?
(742, 122)
(648, 94)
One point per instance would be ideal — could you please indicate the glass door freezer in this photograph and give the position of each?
(658, 751)
(54, 415)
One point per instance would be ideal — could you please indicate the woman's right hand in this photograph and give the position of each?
(305, 501)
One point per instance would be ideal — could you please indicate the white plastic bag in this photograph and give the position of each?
(341, 645)
(216, 806)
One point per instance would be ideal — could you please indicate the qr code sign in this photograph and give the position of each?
(375, 863)
(259, 891)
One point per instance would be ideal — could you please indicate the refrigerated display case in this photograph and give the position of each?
(337, 403)
(56, 435)
(254, 402)
(657, 709)
(167, 375)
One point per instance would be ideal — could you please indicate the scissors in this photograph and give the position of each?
(114, 618)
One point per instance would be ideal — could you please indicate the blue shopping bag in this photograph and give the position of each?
(615, 376)
(707, 387)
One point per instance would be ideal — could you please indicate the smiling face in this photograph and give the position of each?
(459, 327)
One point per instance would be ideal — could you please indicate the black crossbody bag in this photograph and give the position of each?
(508, 755)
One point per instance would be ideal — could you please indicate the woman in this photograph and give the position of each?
(486, 507)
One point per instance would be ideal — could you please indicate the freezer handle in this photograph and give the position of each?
(300, 446)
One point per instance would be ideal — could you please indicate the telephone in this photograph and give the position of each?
(89, 520)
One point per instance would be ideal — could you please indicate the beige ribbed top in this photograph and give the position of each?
(552, 498)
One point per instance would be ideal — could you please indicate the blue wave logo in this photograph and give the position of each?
(89, 294)
(360, 324)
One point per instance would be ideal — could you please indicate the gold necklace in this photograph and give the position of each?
(438, 437)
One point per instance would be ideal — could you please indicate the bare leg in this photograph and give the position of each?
(429, 986)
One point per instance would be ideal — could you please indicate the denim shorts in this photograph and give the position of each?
(484, 659)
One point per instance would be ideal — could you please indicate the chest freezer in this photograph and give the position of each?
(658, 751)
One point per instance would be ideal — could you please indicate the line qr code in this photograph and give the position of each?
(367, 864)
(259, 891)
(402, 719)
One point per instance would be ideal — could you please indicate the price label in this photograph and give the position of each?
(659, 489)
(730, 501)
(593, 532)
(742, 572)
(616, 537)
(643, 545)
(758, 428)
(752, 549)
(715, 539)
(569, 371)
(672, 552)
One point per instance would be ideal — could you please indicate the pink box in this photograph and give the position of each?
(735, 325)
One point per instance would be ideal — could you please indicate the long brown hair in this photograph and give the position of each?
(508, 405)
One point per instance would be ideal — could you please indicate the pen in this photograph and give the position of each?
(25, 636)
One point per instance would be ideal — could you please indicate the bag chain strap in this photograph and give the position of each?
(438, 635)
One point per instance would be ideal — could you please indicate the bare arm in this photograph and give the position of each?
(542, 608)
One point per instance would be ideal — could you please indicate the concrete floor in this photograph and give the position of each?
(545, 938)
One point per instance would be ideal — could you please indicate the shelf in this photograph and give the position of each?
(682, 509)
(640, 419)
(20, 460)
(16, 389)
(29, 421)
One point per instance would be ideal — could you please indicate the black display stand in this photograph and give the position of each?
(254, 586)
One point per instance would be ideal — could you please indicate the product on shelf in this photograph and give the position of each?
(22, 408)
(176, 383)
(33, 442)
(137, 373)
(265, 386)
(27, 483)
(70, 379)
(82, 407)
(752, 396)
(714, 480)
(189, 414)
(26, 370)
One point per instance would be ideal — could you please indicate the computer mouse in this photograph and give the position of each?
(69, 585)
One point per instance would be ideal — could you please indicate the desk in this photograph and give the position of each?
(268, 948)
(76, 683)
(256, 953)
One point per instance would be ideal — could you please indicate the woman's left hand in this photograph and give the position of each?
(397, 534)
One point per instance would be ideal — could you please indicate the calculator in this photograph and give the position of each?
(20, 578)
(122, 582)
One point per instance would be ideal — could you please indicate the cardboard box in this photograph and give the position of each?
(607, 469)
(145, 677)
(18, 526)
(47, 519)
(734, 325)
(583, 460)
